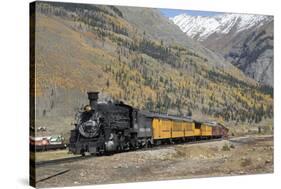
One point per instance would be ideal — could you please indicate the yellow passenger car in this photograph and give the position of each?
(172, 127)
(177, 129)
(161, 128)
(206, 130)
(166, 127)
(197, 129)
(189, 128)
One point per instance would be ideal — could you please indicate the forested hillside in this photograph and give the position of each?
(82, 48)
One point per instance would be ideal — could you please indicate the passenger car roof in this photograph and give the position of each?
(163, 116)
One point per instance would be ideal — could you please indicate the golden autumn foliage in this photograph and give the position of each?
(112, 57)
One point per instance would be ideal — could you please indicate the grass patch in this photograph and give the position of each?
(246, 162)
(225, 147)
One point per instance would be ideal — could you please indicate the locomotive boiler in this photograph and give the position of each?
(103, 127)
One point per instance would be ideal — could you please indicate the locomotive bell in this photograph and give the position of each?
(93, 98)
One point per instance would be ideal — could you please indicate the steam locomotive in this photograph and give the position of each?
(114, 126)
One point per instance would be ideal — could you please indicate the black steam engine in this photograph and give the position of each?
(106, 127)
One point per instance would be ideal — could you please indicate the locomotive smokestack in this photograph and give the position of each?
(93, 98)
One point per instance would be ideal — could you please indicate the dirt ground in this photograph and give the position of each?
(236, 156)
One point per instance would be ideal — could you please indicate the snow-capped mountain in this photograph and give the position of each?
(243, 39)
(201, 27)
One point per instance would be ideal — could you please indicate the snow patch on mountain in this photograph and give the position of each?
(200, 27)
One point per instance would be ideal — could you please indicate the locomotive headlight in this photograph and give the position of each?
(87, 108)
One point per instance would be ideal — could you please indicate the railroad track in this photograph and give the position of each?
(78, 158)
(248, 139)
(53, 175)
(61, 160)
(170, 145)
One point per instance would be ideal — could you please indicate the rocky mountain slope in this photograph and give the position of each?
(82, 48)
(245, 40)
